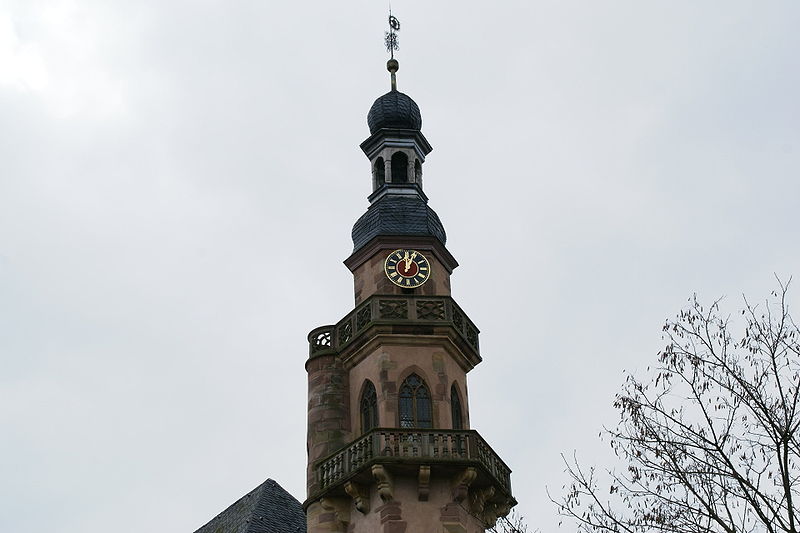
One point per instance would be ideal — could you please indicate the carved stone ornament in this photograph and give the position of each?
(424, 482)
(385, 484)
(478, 499)
(393, 308)
(363, 317)
(472, 336)
(360, 496)
(462, 482)
(430, 310)
(321, 341)
(458, 320)
(494, 510)
(345, 332)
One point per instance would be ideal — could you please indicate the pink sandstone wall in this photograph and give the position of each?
(389, 365)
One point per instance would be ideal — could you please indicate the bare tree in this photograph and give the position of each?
(709, 440)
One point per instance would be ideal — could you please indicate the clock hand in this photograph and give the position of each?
(410, 260)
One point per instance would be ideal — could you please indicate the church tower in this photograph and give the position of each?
(390, 446)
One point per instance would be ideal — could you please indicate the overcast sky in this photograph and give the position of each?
(178, 181)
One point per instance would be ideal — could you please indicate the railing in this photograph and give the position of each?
(392, 310)
(430, 446)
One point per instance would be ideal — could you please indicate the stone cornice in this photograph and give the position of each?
(396, 138)
(418, 242)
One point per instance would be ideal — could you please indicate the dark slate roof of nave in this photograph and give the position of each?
(267, 508)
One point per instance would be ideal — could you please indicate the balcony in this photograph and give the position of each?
(410, 314)
(442, 450)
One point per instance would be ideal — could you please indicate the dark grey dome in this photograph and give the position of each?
(394, 110)
(397, 215)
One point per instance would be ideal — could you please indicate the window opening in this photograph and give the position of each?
(369, 408)
(380, 171)
(455, 407)
(399, 167)
(415, 404)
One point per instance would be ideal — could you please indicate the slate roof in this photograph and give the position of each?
(394, 110)
(397, 215)
(268, 508)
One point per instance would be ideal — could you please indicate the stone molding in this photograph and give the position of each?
(359, 494)
(462, 482)
(424, 483)
(384, 481)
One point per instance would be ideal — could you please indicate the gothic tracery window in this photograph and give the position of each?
(369, 408)
(415, 404)
(455, 408)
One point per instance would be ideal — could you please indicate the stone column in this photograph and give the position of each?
(387, 164)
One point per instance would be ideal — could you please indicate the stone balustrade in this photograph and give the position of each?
(432, 447)
(394, 309)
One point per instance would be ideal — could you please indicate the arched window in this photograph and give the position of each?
(369, 408)
(399, 167)
(380, 171)
(415, 404)
(455, 408)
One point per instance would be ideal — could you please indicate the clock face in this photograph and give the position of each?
(407, 268)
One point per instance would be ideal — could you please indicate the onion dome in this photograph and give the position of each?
(394, 110)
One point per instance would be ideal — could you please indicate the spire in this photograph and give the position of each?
(392, 44)
(396, 149)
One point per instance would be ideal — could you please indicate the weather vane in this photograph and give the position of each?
(390, 40)
(391, 45)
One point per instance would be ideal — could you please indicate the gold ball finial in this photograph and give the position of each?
(393, 66)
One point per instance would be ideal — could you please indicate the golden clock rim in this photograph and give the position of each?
(386, 266)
